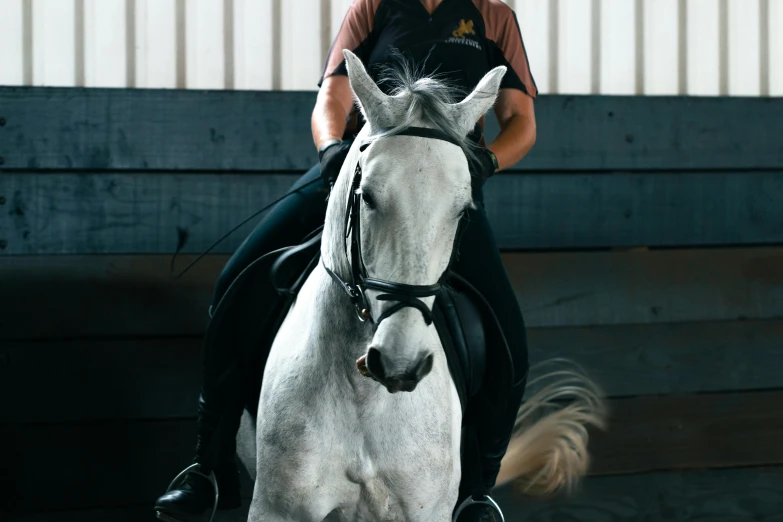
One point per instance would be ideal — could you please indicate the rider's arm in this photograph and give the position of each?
(332, 107)
(514, 106)
(335, 98)
(514, 111)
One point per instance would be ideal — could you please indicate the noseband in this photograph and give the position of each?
(405, 296)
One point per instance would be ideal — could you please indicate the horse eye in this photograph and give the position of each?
(368, 200)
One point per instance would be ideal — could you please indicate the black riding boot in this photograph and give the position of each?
(215, 452)
(481, 462)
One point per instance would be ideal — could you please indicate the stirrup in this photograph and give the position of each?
(191, 469)
(470, 501)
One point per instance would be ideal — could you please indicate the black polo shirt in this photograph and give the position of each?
(461, 41)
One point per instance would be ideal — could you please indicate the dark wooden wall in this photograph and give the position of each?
(643, 235)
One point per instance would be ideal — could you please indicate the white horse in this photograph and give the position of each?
(332, 444)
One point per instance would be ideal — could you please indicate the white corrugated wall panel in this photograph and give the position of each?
(534, 23)
(204, 44)
(54, 53)
(656, 47)
(617, 47)
(156, 44)
(12, 42)
(744, 64)
(105, 38)
(301, 47)
(661, 47)
(775, 55)
(703, 47)
(575, 39)
(253, 44)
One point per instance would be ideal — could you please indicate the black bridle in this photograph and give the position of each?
(405, 296)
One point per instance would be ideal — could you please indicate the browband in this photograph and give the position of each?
(419, 132)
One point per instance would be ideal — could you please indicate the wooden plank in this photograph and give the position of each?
(89, 380)
(101, 379)
(82, 213)
(727, 495)
(128, 296)
(663, 286)
(96, 296)
(657, 359)
(143, 513)
(250, 131)
(108, 463)
(710, 496)
(647, 433)
(690, 431)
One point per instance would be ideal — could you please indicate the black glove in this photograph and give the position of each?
(331, 156)
(484, 167)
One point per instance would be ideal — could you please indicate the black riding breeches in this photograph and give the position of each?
(479, 262)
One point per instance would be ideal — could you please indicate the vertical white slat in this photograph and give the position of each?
(574, 68)
(533, 18)
(104, 43)
(744, 52)
(338, 12)
(618, 47)
(775, 47)
(703, 61)
(300, 45)
(156, 43)
(661, 50)
(253, 45)
(12, 43)
(205, 44)
(54, 43)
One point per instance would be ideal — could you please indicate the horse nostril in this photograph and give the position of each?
(425, 367)
(374, 364)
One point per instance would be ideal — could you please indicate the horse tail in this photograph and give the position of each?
(548, 451)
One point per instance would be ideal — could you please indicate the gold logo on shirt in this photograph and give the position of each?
(463, 29)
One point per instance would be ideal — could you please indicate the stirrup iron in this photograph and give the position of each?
(191, 469)
(470, 501)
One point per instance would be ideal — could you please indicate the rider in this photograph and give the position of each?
(459, 41)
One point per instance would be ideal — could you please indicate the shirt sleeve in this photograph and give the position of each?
(355, 34)
(509, 50)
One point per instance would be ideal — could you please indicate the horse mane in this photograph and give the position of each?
(429, 98)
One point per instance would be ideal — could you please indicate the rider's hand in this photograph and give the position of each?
(331, 156)
(484, 167)
(487, 163)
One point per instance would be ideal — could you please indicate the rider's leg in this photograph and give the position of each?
(221, 401)
(480, 263)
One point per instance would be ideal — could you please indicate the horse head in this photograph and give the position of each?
(402, 195)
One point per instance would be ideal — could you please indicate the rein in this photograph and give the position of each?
(404, 295)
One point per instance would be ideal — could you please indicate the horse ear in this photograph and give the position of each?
(379, 109)
(467, 112)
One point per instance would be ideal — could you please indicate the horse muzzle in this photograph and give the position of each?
(380, 369)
